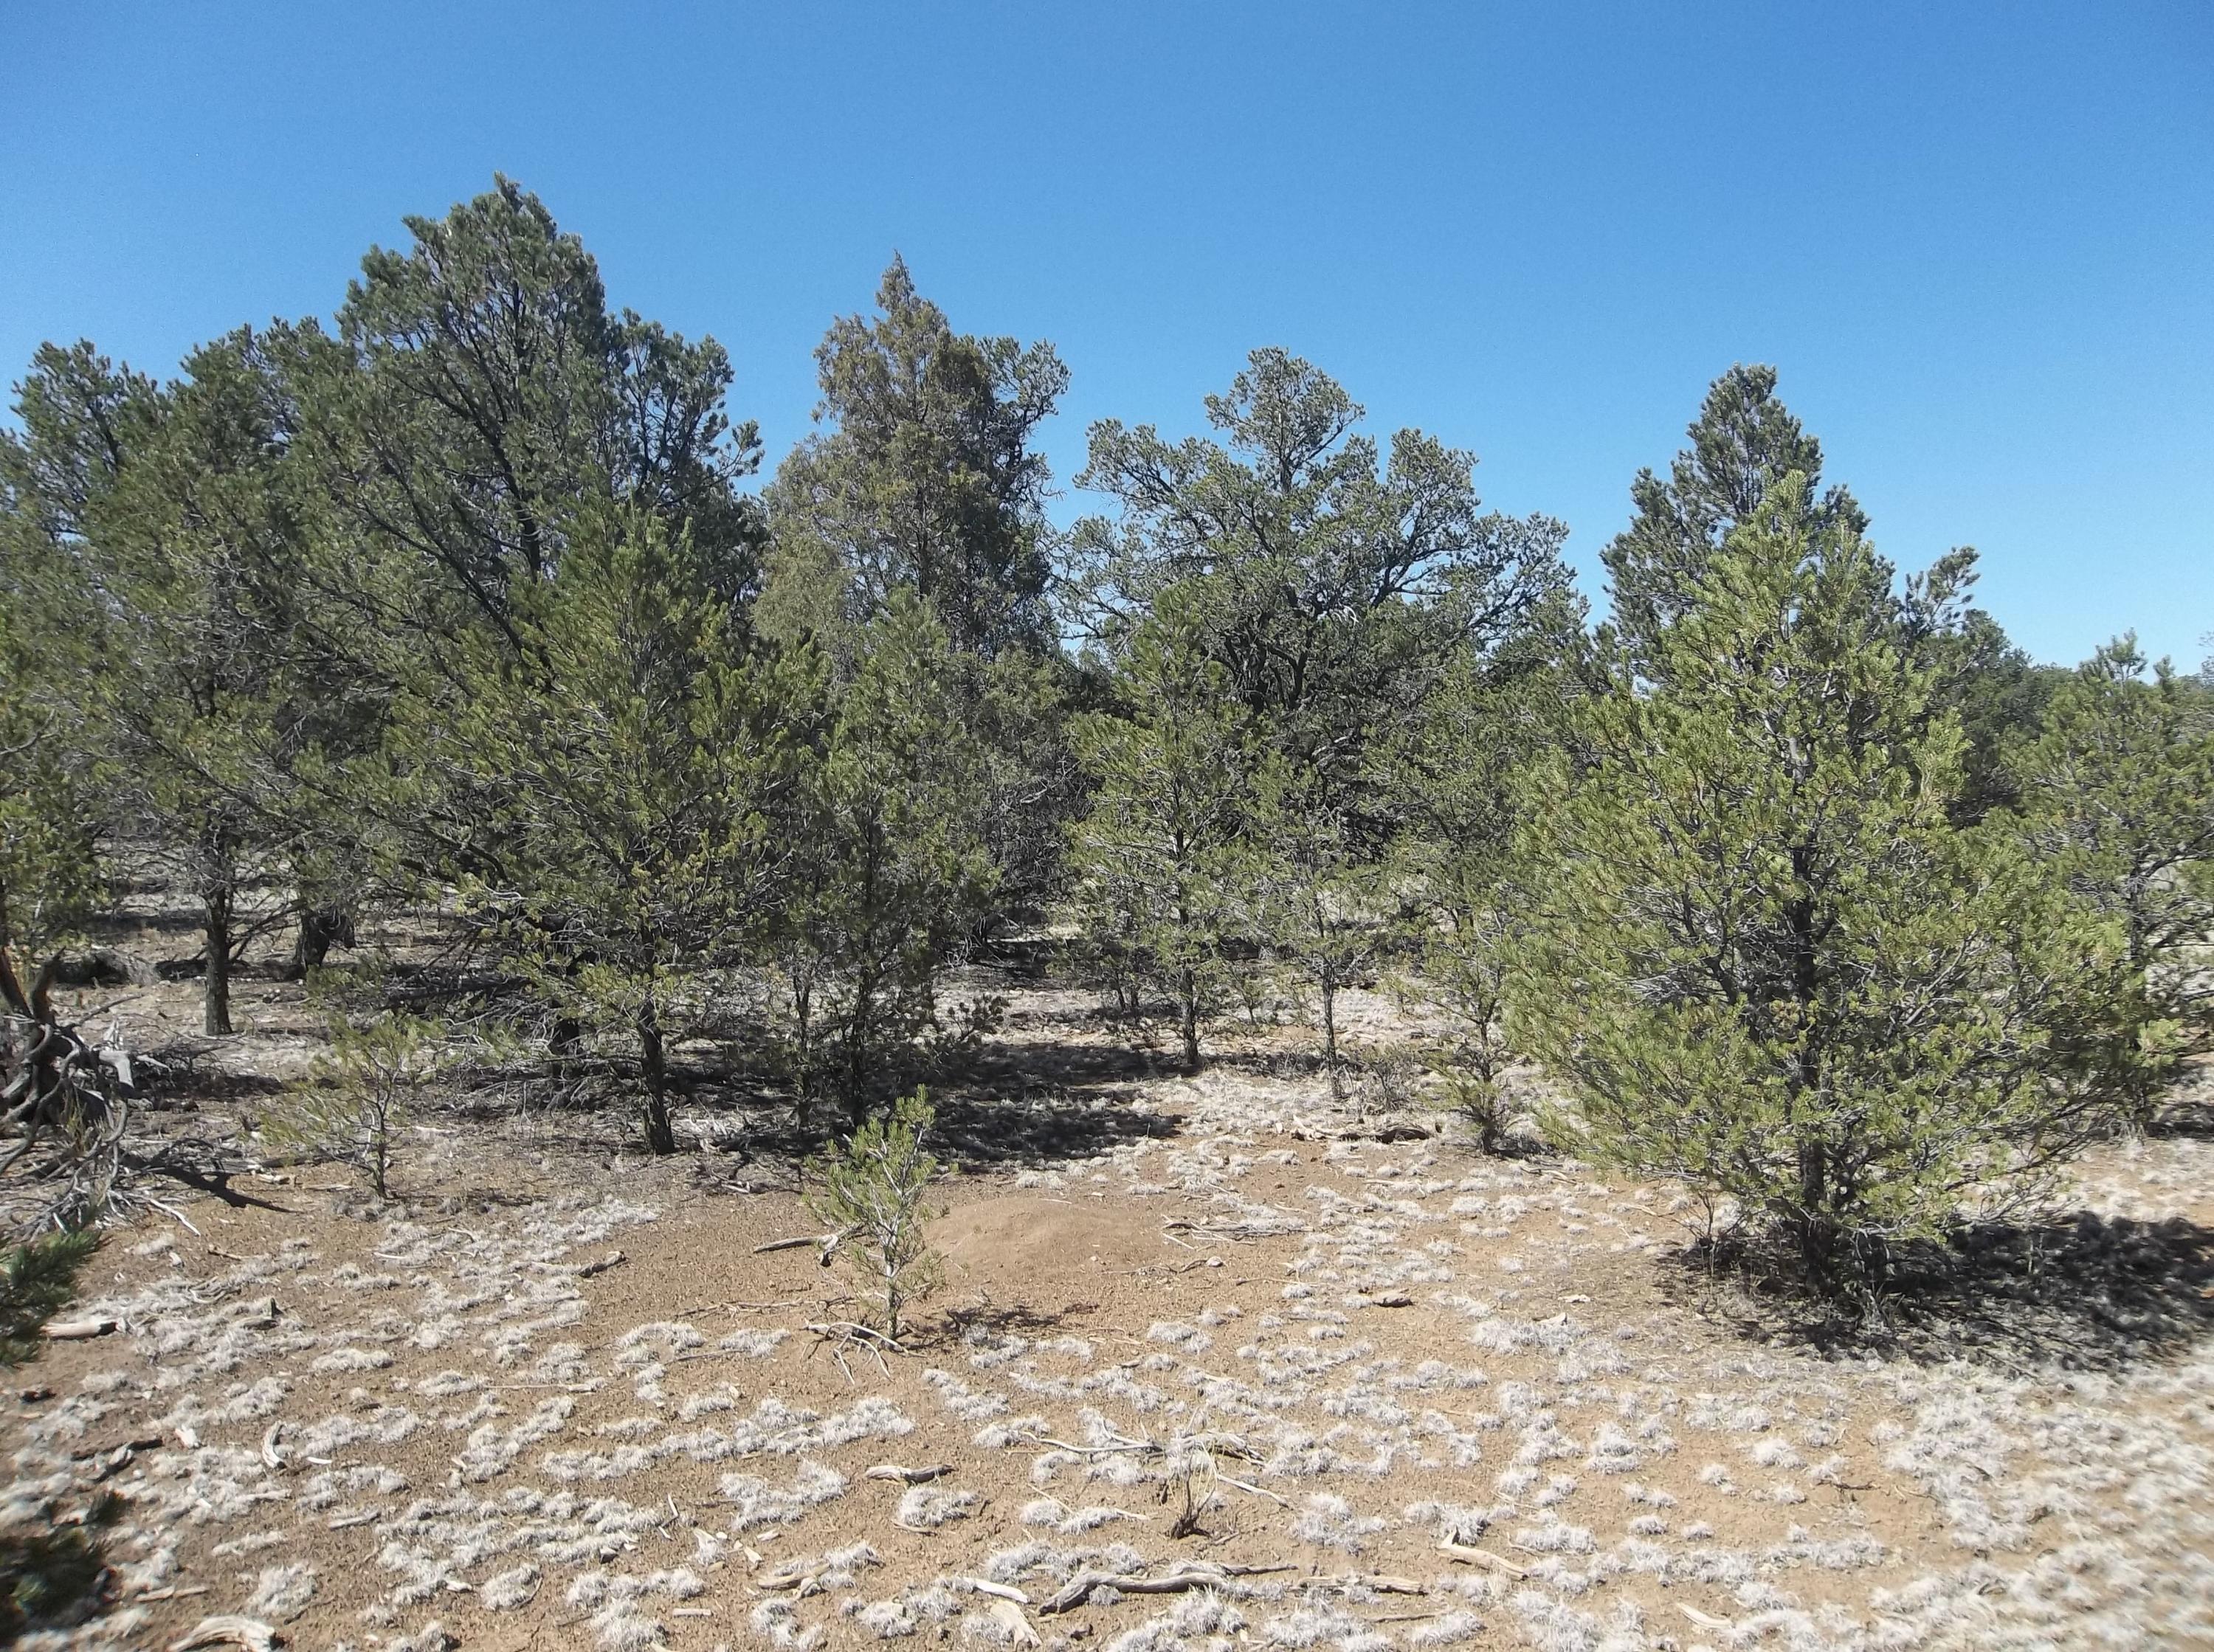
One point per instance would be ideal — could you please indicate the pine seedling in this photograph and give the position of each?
(359, 1096)
(873, 1194)
(36, 1285)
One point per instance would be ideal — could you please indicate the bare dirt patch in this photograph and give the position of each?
(453, 1419)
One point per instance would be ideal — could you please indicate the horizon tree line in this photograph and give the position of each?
(1794, 878)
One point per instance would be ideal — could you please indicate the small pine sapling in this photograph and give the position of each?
(873, 1194)
(358, 1098)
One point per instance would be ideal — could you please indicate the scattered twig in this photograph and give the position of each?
(1257, 1491)
(230, 1630)
(1079, 1589)
(1469, 1556)
(909, 1476)
(80, 1330)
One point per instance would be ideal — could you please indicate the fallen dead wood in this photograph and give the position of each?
(1003, 1591)
(1009, 1617)
(908, 1476)
(142, 1443)
(1469, 1556)
(1079, 1589)
(1703, 1619)
(230, 1630)
(801, 1243)
(80, 1330)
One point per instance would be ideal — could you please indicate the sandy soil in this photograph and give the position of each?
(431, 1422)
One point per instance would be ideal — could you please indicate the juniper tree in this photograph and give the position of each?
(2118, 797)
(1158, 856)
(1766, 962)
(1336, 588)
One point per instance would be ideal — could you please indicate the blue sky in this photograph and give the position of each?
(1977, 239)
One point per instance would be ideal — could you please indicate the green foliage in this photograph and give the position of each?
(873, 1193)
(36, 1283)
(2117, 795)
(479, 393)
(1334, 589)
(358, 1097)
(926, 481)
(886, 869)
(1766, 961)
(1744, 443)
(617, 793)
(923, 486)
(1462, 867)
(1157, 856)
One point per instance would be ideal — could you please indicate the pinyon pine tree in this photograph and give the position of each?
(1766, 962)
(2118, 793)
(1157, 857)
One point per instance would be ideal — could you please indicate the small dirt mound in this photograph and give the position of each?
(1025, 1247)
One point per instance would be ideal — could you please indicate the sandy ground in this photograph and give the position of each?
(430, 1422)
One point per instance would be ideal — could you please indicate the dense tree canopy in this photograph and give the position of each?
(1792, 878)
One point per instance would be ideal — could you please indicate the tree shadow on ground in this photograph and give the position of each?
(954, 1325)
(2081, 1291)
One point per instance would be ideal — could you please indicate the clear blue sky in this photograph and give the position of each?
(1978, 239)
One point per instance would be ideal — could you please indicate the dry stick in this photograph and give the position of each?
(1079, 1589)
(1256, 1490)
(910, 1475)
(1469, 1556)
(79, 1330)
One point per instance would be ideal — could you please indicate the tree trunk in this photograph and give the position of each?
(1188, 1001)
(215, 1000)
(660, 1135)
(1330, 1033)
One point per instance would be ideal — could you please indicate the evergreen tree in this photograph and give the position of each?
(2117, 795)
(1156, 855)
(618, 791)
(888, 868)
(1460, 865)
(167, 527)
(1337, 590)
(925, 481)
(1767, 962)
(479, 393)
(1744, 441)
